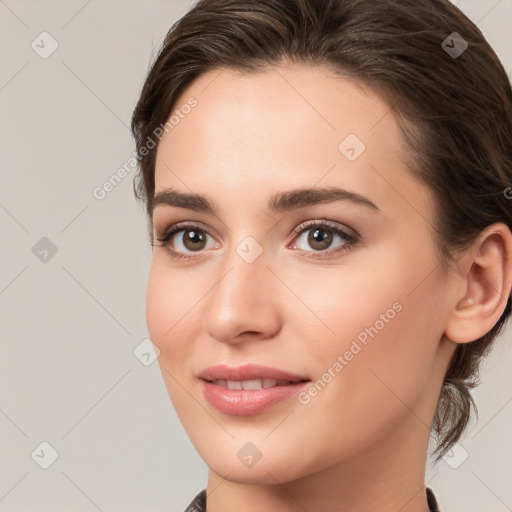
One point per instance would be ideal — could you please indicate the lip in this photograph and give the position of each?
(242, 402)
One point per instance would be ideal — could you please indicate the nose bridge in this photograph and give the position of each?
(246, 264)
(244, 273)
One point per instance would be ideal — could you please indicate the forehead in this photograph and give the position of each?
(285, 127)
(298, 103)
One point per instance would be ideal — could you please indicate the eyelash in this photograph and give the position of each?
(351, 239)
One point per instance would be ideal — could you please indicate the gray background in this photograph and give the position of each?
(71, 322)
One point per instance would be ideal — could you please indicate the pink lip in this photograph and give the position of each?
(242, 402)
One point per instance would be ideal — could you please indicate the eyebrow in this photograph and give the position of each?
(278, 202)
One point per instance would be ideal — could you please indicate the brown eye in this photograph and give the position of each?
(315, 239)
(184, 239)
(320, 239)
(194, 239)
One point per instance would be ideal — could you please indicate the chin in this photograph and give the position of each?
(274, 466)
(260, 474)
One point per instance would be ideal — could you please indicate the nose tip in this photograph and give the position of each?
(240, 304)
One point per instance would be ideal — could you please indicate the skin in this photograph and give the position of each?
(360, 443)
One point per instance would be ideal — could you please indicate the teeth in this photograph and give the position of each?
(250, 384)
(269, 383)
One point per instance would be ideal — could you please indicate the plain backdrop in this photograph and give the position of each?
(74, 395)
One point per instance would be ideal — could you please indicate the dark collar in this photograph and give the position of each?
(431, 500)
(199, 503)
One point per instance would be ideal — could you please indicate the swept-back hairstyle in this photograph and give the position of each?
(454, 111)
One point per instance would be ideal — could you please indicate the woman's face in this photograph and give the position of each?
(340, 290)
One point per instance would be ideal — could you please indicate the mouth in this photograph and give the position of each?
(249, 389)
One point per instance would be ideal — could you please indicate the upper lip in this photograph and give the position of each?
(247, 372)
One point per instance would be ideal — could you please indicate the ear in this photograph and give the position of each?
(485, 276)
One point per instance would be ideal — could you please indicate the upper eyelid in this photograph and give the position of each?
(179, 226)
(326, 223)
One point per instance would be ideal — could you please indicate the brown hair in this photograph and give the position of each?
(454, 112)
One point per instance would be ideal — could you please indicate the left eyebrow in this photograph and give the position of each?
(278, 202)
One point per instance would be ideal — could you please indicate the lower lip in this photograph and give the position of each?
(245, 402)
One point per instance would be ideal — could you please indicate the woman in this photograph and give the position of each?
(342, 171)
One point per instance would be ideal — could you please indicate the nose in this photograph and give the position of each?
(243, 303)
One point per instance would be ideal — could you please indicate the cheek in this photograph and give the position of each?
(383, 388)
(384, 334)
(159, 307)
(170, 320)
(169, 311)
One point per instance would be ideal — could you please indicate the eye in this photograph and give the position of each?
(319, 235)
(185, 236)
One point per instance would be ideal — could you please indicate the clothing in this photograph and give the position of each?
(199, 502)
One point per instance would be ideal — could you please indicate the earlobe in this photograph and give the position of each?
(486, 271)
